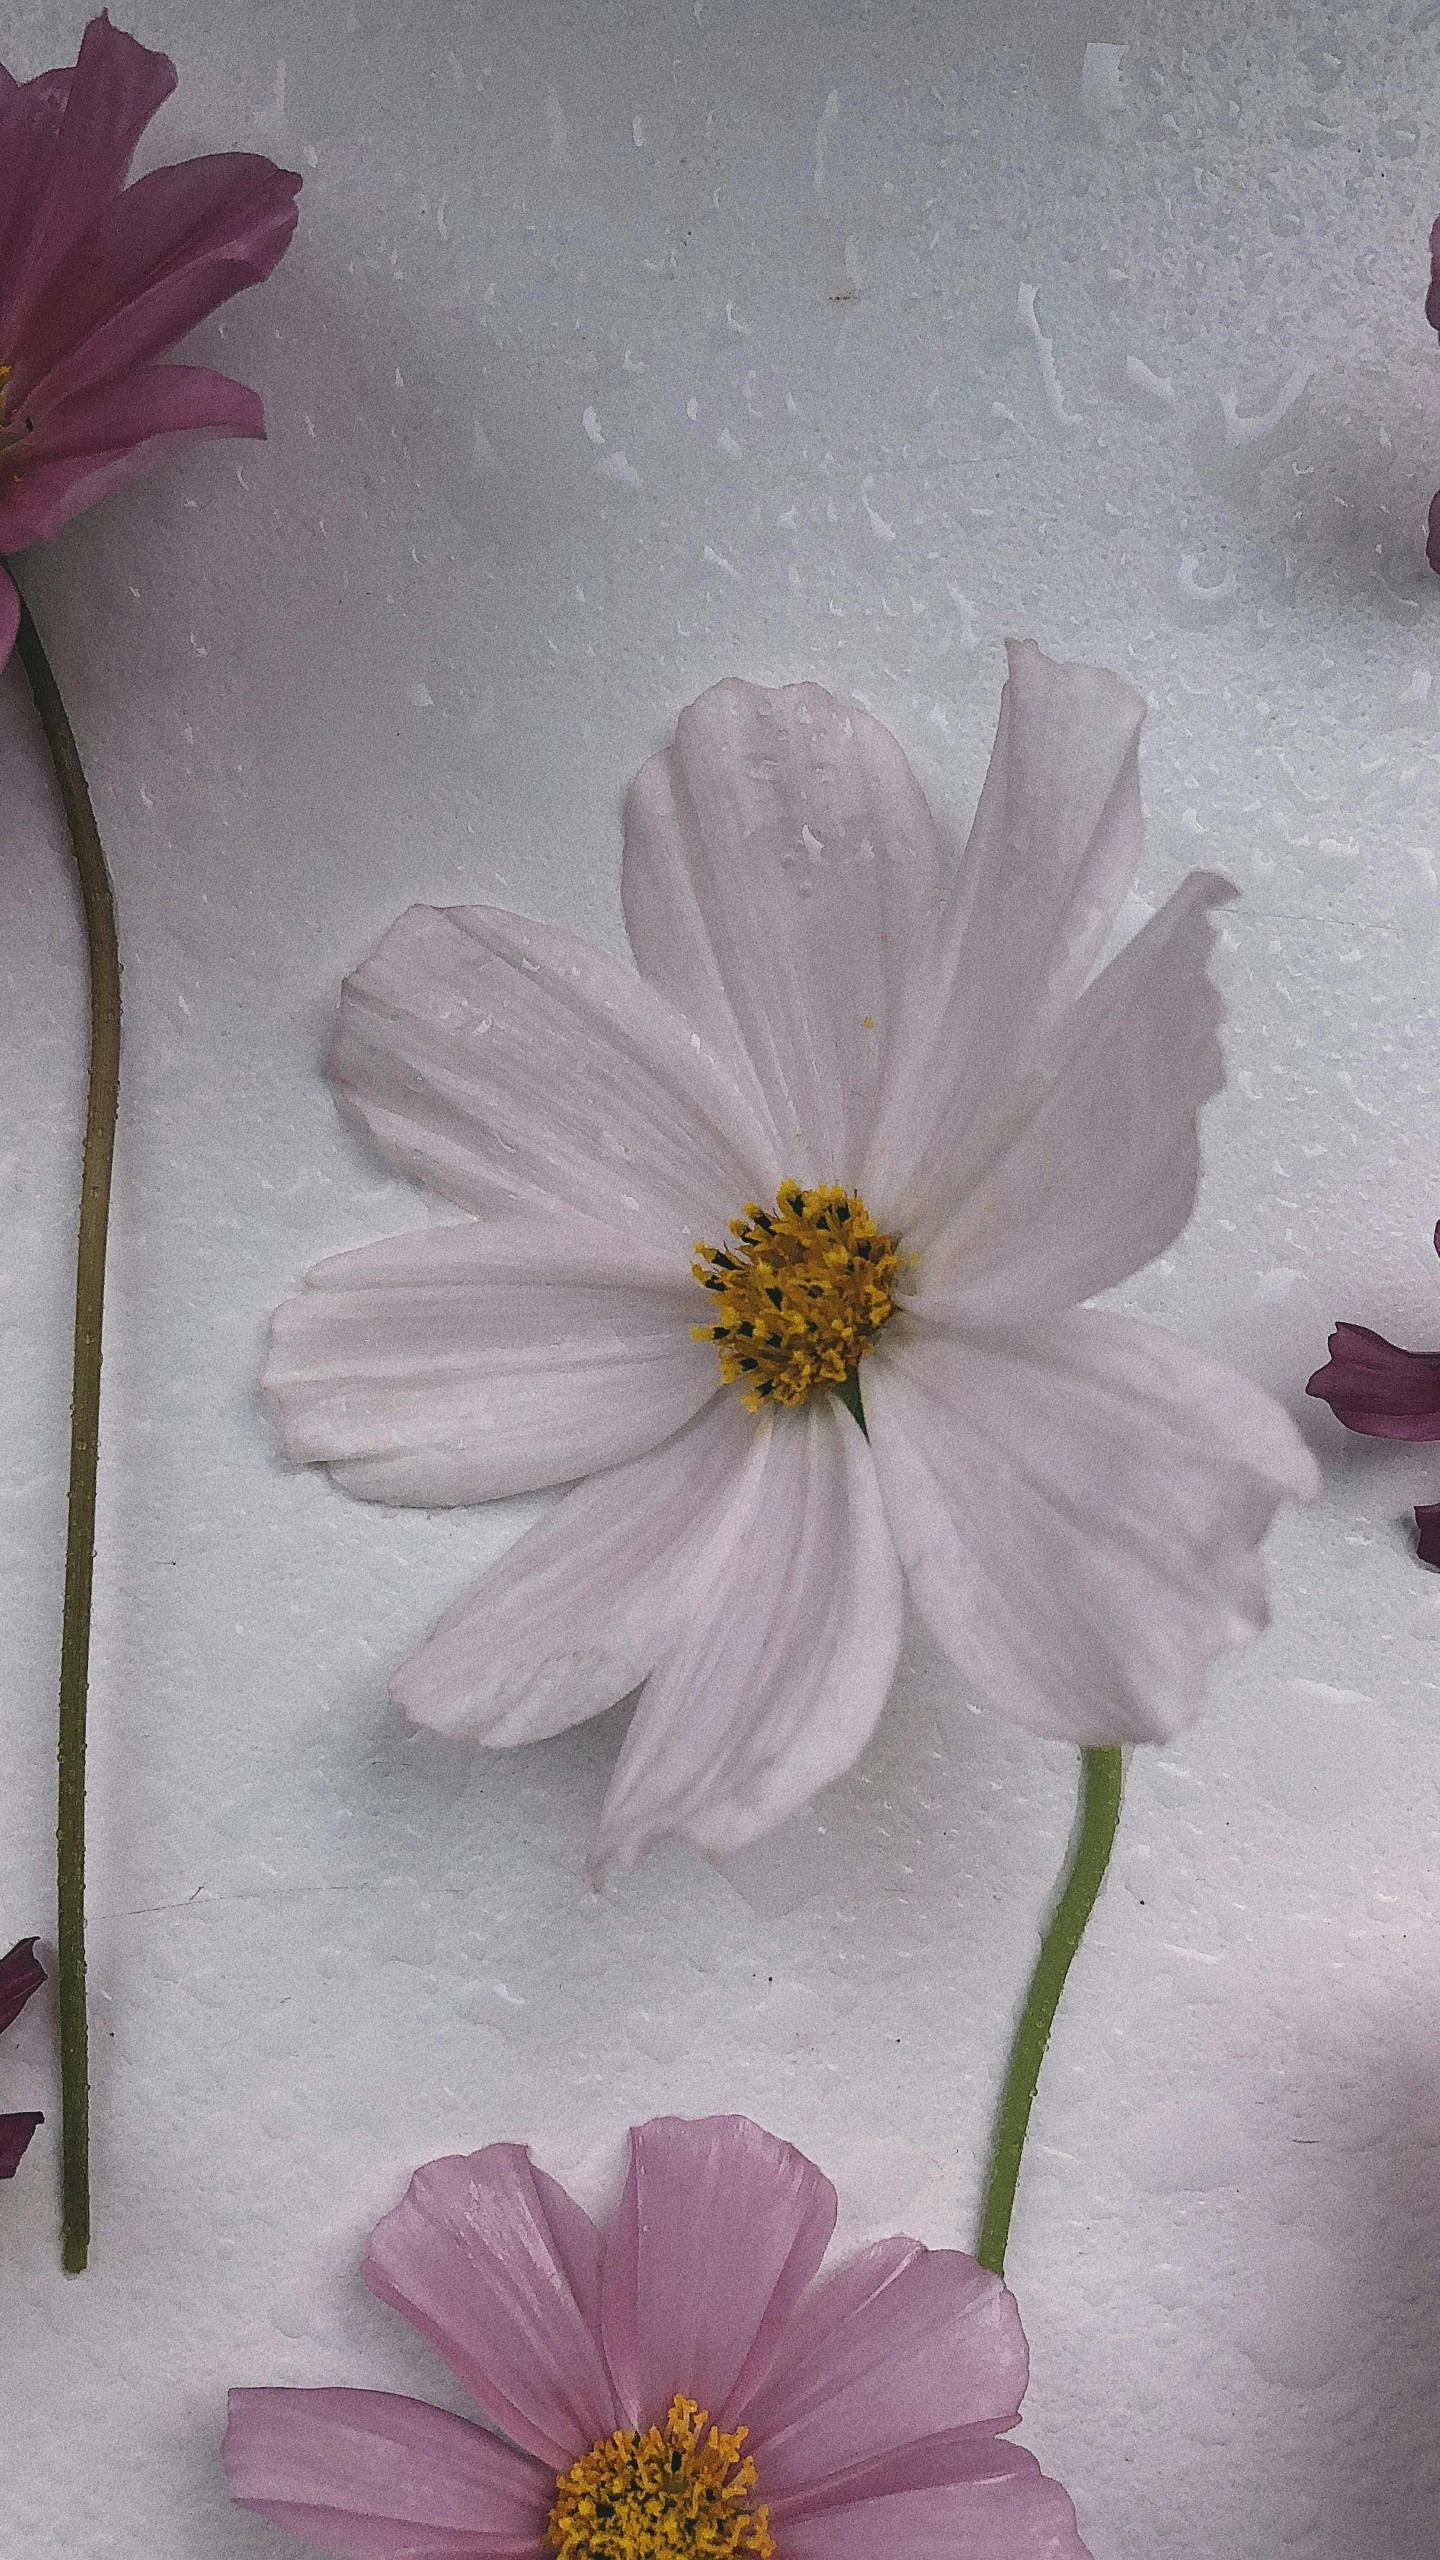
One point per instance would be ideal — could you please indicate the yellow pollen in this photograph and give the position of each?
(803, 1292)
(677, 2492)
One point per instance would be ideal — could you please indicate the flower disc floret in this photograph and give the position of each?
(679, 2489)
(804, 1290)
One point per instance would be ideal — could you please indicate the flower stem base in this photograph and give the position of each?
(101, 1105)
(1102, 1778)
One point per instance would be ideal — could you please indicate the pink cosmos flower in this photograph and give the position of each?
(1372, 1386)
(850, 1127)
(98, 279)
(21, 1973)
(685, 2381)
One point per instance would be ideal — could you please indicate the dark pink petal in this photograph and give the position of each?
(370, 2476)
(110, 97)
(15, 2132)
(95, 442)
(21, 1972)
(998, 2505)
(1427, 1521)
(1373, 1386)
(9, 615)
(1432, 298)
(1432, 534)
(900, 2343)
(720, 2229)
(29, 123)
(500, 2270)
(159, 258)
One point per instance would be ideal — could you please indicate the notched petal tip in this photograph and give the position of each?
(1032, 673)
(1375, 1387)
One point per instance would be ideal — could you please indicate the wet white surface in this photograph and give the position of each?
(622, 349)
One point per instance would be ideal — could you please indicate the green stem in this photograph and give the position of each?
(100, 1111)
(1102, 1776)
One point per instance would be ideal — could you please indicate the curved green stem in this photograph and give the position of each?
(1101, 1781)
(99, 905)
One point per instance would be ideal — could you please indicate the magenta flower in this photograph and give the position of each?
(98, 279)
(1371, 1385)
(20, 1975)
(676, 2384)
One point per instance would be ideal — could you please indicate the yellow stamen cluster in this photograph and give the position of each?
(677, 2492)
(803, 1292)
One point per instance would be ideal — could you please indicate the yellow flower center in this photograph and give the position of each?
(677, 2492)
(803, 1292)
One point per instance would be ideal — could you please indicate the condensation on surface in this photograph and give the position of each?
(622, 350)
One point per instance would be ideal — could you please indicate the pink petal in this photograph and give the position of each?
(1432, 296)
(780, 886)
(21, 1974)
(1100, 1174)
(89, 446)
(997, 2505)
(900, 2343)
(15, 2134)
(1079, 1510)
(500, 2269)
(9, 615)
(155, 261)
(460, 1363)
(577, 1613)
(65, 147)
(30, 119)
(784, 1660)
(505, 1062)
(1427, 1521)
(720, 2229)
(370, 2476)
(1432, 533)
(1372, 1386)
(1055, 845)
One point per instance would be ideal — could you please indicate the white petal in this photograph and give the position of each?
(578, 1611)
(780, 886)
(782, 1666)
(1100, 1173)
(507, 1062)
(1055, 845)
(1079, 1511)
(486, 1358)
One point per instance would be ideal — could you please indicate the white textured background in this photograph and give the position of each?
(626, 345)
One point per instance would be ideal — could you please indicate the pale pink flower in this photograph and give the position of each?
(1075, 1499)
(98, 278)
(874, 2399)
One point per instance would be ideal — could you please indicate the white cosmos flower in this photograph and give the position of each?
(1075, 1499)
